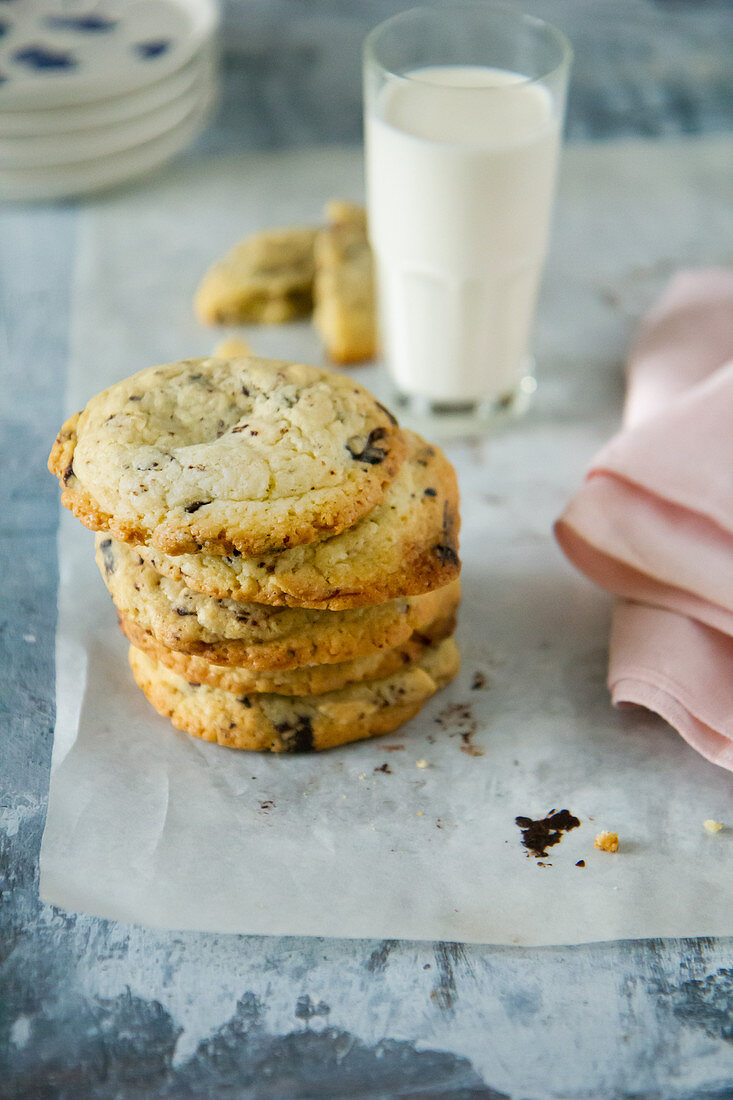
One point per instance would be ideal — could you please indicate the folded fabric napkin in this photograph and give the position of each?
(653, 521)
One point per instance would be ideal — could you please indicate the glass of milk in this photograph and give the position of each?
(464, 108)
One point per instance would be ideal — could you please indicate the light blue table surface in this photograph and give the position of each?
(91, 1008)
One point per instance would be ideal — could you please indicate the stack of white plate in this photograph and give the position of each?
(96, 92)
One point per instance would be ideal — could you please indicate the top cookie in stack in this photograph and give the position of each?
(249, 455)
(247, 487)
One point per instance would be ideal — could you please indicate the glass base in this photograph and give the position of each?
(460, 419)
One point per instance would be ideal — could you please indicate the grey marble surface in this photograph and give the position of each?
(90, 1008)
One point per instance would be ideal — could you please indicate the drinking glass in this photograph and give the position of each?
(464, 107)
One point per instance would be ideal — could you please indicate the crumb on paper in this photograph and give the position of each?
(362, 776)
(421, 763)
(711, 826)
(419, 813)
(384, 768)
(30, 638)
(231, 347)
(606, 842)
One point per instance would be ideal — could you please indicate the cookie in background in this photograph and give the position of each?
(280, 275)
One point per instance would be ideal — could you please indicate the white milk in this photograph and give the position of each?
(460, 176)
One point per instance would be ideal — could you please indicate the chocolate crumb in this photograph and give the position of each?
(539, 835)
(479, 681)
(459, 720)
(384, 768)
(580, 863)
(268, 804)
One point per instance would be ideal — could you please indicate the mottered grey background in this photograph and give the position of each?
(90, 1008)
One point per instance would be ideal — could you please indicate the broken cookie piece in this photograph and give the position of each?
(344, 291)
(267, 278)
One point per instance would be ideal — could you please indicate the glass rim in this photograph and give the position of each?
(518, 16)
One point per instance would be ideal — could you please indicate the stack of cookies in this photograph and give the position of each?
(282, 556)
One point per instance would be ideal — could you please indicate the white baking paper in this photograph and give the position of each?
(146, 824)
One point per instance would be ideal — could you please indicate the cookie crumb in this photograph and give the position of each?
(231, 347)
(30, 638)
(419, 813)
(421, 763)
(711, 826)
(606, 842)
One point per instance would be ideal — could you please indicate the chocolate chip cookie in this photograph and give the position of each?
(306, 680)
(281, 723)
(407, 545)
(225, 456)
(228, 632)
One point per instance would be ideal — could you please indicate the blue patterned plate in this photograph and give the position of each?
(60, 53)
(99, 141)
(85, 177)
(39, 121)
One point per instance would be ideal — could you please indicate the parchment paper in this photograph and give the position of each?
(149, 825)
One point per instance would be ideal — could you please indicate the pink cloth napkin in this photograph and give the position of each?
(653, 521)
